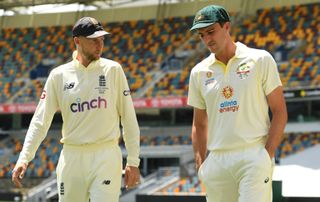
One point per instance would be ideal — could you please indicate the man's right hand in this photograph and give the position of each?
(18, 173)
(198, 161)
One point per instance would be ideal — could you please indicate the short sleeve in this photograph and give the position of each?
(195, 97)
(270, 75)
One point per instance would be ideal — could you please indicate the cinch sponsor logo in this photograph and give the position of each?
(88, 105)
(229, 106)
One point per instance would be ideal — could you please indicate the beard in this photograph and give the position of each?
(91, 56)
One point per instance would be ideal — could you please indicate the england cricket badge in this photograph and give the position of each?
(243, 70)
(102, 84)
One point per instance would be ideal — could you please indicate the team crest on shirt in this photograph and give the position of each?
(210, 78)
(243, 70)
(102, 84)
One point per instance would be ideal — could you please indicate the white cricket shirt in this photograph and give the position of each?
(92, 101)
(234, 96)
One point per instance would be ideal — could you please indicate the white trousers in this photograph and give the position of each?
(90, 172)
(238, 176)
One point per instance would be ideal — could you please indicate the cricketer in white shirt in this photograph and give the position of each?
(92, 101)
(94, 98)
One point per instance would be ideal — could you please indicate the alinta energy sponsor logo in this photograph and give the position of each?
(210, 79)
(79, 106)
(243, 70)
(228, 106)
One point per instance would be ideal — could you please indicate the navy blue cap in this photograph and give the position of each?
(88, 27)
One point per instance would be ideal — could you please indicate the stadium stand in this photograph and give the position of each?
(140, 49)
(191, 184)
(47, 155)
(295, 45)
(290, 33)
(297, 142)
(147, 46)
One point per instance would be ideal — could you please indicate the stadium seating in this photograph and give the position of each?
(140, 48)
(31, 93)
(143, 45)
(22, 49)
(146, 140)
(172, 84)
(47, 155)
(292, 33)
(296, 142)
(185, 185)
(147, 46)
(294, 43)
(43, 164)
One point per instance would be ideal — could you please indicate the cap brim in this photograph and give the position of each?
(201, 25)
(97, 34)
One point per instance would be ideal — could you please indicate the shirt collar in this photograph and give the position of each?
(241, 52)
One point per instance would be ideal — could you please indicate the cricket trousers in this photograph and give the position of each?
(243, 175)
(90, 172)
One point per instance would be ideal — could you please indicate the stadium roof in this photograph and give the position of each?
(14, 7)
(9, 4)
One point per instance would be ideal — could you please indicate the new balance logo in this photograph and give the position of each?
(106, 182)
(68, 86)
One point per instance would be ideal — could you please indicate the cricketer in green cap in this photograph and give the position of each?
(239, 165)
(210, 15)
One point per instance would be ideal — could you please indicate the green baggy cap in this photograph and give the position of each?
(209, 15)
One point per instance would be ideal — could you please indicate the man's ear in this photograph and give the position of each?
(76, 40)
(227, 25)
